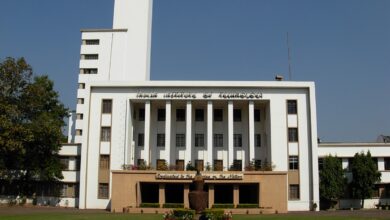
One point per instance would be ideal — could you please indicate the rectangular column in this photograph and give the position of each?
(138, 194)
(161, 194)
(188, 132)
(210, 133)
(211, 195)
(185, 194)
(251, 134)
(147, 133)
(168, 109)
(230, 134)
(236, 195)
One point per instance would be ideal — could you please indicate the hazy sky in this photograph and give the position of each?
(344, 46)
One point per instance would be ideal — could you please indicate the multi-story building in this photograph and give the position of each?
(125, 123)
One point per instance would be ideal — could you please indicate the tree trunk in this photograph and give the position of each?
(362, 203)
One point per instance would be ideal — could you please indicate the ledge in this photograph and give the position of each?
(103, 30)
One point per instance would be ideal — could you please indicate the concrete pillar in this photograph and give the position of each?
(168, 110)
(138, 194)
(147, 133)
(251, 134)
(161, 194)
(210, 133)
(230, 134)
(185, 194)
(236, 195)
(211, 195)
(188, 132)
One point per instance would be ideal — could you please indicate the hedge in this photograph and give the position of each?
(248, 205)
(173, 205)
(223, 206)
(150, 205)
(186, 214)
(213, 214)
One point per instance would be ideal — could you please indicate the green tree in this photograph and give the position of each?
(364, 175)
(31, 117)
(332, 180)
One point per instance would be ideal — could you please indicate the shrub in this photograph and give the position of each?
(213, 214)
(248, 205)
(185, 214)
(173, 205)
(149, 205)
(223, 206)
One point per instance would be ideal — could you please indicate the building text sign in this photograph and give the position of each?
(208, 95)
(190, 176)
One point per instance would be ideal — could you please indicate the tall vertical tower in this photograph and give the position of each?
(120, 54)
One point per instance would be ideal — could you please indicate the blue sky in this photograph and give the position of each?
(344, 46)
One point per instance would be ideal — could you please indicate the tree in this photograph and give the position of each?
(364, 175)
(31, 117)
(332, 180)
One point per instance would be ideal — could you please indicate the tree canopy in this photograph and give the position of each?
(332, 180)
(31, 118)
(364, 176)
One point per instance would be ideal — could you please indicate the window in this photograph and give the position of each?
(387, 163)
(90, 56)
(199, 140)
(79, 132)
(236, 115)
(161, 164)
(141, 114)
(160, 140)
(89, 71)
(180, 140)
(105, 134)
(257, 114)
(160, 114)
(293, 134)
(258, 140)
(218, 165)
(80, 101)
(199, 165)
(64, 190)
(104, 162)
(237, 140)
(103, 191)
(81, 85)
(141, 139)
(91, 42)
(218, 114)
(78, 163)
(292, 106)
(140, 162)
(237, 165)
(293, 162)
(64, 162)
(180, 114)
(179, 164)
(218, 140)
(199, 115)
(293, 192)
(107, 106)
(79, 116)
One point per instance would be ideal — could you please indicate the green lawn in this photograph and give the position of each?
(108, 216)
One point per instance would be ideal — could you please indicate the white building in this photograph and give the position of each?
(123, 119)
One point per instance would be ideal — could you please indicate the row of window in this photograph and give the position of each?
(199, 139)
(89, 56)
(91, 42)
(199, 115)
(199, 164)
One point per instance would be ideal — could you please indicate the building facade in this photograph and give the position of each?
(137, 139)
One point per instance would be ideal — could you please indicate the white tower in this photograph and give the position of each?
(121, 54)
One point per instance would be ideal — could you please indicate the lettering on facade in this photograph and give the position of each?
(209, 176)
(209, 95)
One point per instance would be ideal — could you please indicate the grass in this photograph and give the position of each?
(109, 216)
